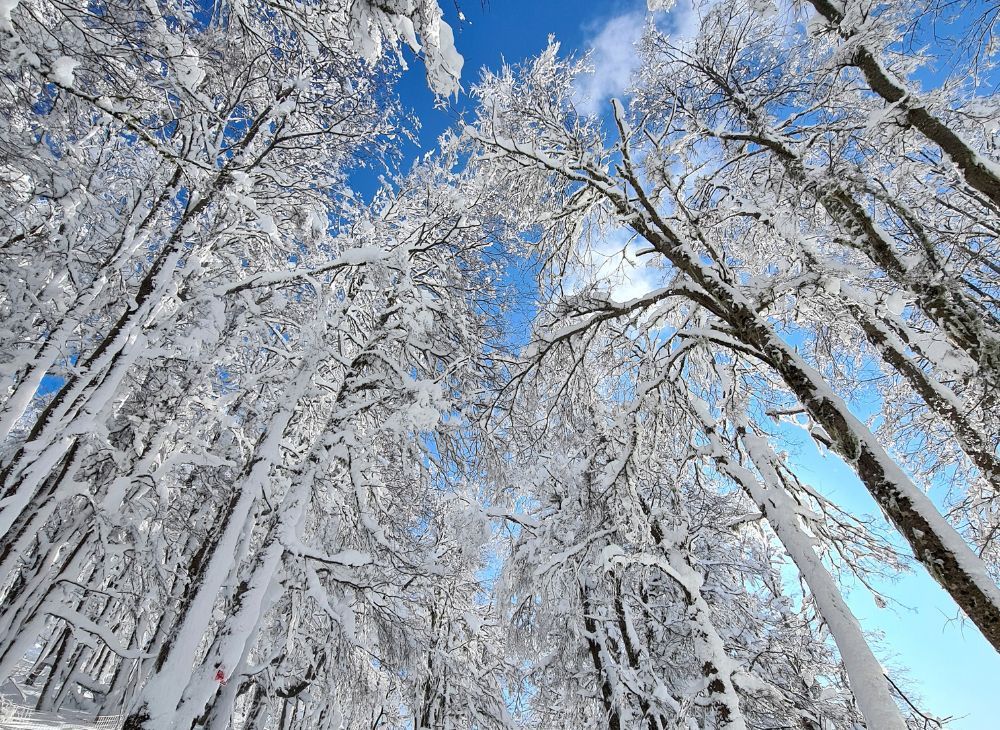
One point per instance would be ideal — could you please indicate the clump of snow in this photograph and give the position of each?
(185, 62)
(896, 303)
(62, 70)
(831, 284)
(444, 64)
(6, 8)
(377, 29)
(268, 226)
(764, 8)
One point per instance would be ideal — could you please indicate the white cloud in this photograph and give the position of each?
(614, 58)
(682, 21)
(611, 265)
(613, 50)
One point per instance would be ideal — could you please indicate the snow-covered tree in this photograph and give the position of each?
(793, 245)
(268, 458)
(233, 389)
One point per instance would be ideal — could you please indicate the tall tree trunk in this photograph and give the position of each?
(865, 674)
(979, 172)
(934, 542)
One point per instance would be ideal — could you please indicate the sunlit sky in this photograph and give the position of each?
(945, 661)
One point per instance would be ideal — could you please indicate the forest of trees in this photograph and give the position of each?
(279, 454)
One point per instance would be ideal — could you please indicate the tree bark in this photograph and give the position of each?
(980, 174)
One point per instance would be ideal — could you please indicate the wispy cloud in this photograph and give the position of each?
(682, 20)
(614, 56)
(610, 264)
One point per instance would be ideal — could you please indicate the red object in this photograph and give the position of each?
(220, 676)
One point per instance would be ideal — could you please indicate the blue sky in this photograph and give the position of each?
(496, 31)
(948, 663)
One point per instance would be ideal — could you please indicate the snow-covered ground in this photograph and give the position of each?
(18, 700)
(19, 717)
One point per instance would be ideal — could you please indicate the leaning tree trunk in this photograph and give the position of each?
(864, 672)
(978, 172)
(935, 543)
